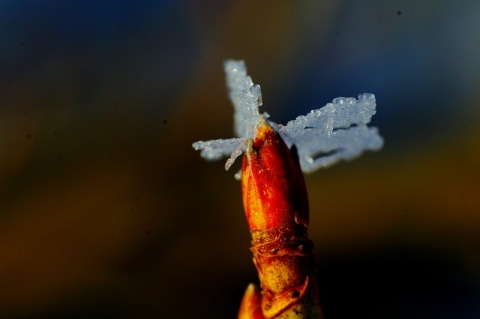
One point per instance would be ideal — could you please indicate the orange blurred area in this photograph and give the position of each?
(106, 211)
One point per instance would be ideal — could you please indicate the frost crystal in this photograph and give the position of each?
(337, 131)
(334, 132)
(245, 96)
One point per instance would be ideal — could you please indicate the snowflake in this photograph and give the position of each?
(334, 132)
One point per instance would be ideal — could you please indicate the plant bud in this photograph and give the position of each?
(273, 188)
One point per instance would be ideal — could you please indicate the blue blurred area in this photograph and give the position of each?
(421, 61)
(123, 47)
(418, 59)
(106, 211)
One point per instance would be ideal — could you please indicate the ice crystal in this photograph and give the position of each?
(337, 131)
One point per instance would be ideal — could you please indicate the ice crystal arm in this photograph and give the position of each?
(337, 131)
(217, 149)
(246, 97)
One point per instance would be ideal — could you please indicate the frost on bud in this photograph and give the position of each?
(337, 131)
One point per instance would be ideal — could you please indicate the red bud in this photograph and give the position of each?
(274, 192)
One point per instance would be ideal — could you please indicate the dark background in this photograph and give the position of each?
(107, 212)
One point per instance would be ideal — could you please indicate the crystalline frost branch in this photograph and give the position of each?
(245, 96)
(337, 131)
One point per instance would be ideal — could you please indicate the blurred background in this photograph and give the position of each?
(106, 211)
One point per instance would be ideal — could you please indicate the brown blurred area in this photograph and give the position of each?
(107, 212)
